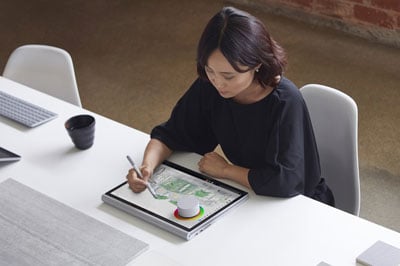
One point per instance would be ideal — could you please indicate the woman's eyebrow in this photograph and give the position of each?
(222, 72)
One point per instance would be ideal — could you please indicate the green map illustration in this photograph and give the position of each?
(171, 184)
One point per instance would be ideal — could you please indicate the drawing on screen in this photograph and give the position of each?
(170, 184)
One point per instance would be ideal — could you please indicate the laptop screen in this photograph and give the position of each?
(171, 182)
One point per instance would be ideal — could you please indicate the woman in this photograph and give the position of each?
(242, 102)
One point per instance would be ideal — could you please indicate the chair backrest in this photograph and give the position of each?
(45, 68)
(334, 117)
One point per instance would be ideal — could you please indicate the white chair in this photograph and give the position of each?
(44, 68)
(334, 117)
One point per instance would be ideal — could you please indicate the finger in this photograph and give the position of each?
(211, 153)
(201, 166)
(137, 189)
(200, 163)
(137, 185)
(146, 176)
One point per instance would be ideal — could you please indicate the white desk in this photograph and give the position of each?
(262, 231)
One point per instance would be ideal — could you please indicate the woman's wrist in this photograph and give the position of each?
(227, 170)
(149, 166)
(237, 174)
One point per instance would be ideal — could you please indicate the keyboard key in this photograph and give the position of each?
(23, 112)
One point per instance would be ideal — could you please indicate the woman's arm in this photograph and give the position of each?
(215, 165)
(155, 153)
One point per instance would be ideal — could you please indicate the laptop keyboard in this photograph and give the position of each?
(23, 112)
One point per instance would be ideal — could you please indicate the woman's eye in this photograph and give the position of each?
(229, 78)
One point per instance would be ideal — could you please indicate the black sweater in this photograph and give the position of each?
(272, 137)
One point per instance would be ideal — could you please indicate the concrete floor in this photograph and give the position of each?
(133, 60)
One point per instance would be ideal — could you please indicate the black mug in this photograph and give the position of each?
(81, 130)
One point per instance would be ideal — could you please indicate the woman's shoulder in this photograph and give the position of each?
(287, 87)
(287, 91)
(200, 93)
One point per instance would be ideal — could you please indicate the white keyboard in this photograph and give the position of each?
(23, 112)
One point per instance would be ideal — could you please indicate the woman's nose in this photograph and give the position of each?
(218, 83)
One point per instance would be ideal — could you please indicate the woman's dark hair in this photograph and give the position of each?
(244, 41)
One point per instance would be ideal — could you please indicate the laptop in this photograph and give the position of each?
(171, 181)
(8, 156)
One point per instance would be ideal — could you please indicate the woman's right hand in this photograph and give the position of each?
(136, 184)
(155, 153)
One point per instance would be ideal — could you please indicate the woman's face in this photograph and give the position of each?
(228, 82)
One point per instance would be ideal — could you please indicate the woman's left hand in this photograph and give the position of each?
(213, 164)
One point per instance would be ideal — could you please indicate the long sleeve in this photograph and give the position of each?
(291, 163)
(272, 137)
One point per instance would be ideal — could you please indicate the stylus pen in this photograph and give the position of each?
(139, 173)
